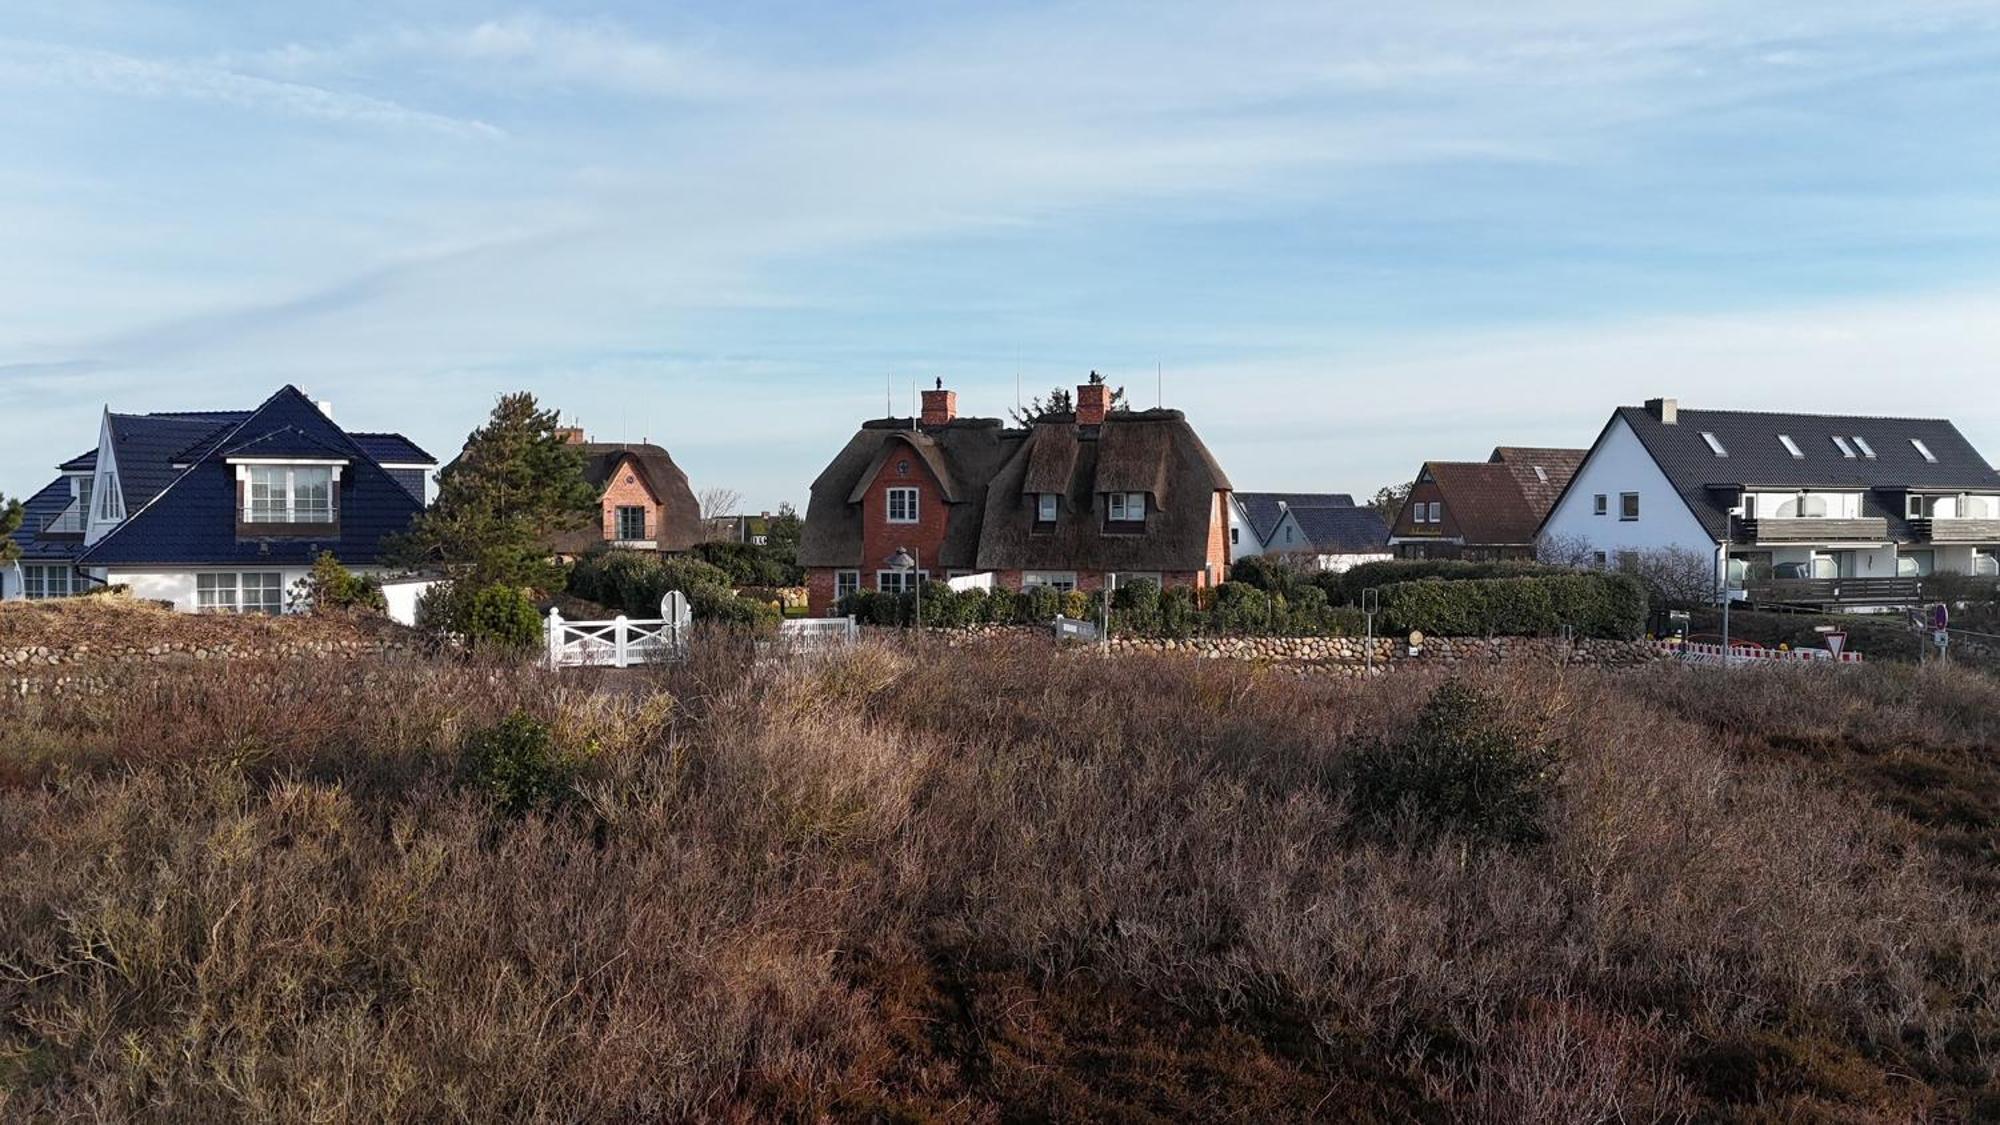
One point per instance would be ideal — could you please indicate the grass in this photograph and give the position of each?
(993, 883)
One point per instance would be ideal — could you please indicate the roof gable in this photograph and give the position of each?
(1263, 510)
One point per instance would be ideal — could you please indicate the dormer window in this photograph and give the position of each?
(1923, 450)
(1127, 507)
(288, 494)
(111, 502)
(902, 505)
(1045, 507)
(1791, 447)
(1714, 444)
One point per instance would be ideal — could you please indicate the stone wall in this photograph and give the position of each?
(1350, 654)
(45, 656)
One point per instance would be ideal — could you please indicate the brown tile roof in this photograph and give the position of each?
(1483, 501)
(1540, 488)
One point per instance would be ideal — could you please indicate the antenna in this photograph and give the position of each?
(1159, 384)
(888, 396)
(914, 412)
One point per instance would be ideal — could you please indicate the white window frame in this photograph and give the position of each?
(1121, 504)
(1437, 511)
(226, 592)
(1715, 445)
(1923, 450)
(1867, 450)
(1601, 504)
(1417, 511)
(281, 503)
(1791, 447)
(909, 497)
(1623, 499)
(1062, 580)
(903, 580)
(110, 500)
(618, 523)
(846, 582)
(1846, 450)
(39, 581)
(1045, 507)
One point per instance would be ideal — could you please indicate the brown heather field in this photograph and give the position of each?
(993, 884)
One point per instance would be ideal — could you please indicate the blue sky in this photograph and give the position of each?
(1344, 239)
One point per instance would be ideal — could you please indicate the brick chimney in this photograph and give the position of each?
(940, 406)
(1093, 402)
(571, 435)
(1667, 410)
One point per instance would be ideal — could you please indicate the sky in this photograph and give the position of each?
(1344, 238)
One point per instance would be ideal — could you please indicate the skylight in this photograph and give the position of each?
(1924, 449)
(1714, 444)
(1791, 446)
(1846, 450)
(1541, 474)
(1867, 450)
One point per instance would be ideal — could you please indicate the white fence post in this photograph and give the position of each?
(555, 637)
(620, 638)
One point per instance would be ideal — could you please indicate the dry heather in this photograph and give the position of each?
(992, 883)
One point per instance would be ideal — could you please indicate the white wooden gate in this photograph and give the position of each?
(805, 633)
(621, 642)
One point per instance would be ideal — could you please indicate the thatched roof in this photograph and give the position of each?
(680, 525)
(991, 474)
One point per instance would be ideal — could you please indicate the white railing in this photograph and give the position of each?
(1739, 656)
(620, 642)
(819, 632)
(69, 523)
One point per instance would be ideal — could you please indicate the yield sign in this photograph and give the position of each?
(1835, 642)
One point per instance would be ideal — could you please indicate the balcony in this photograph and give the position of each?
(1808, 529)
(287, 523)
(1931, 530)
(1835, 593)
(69, 523)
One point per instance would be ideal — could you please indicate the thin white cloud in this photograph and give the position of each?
(109, 72)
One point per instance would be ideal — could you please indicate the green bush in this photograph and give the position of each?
(1345, 588)
(1594, 605)
(634, 582)
(1240, 608)
(748, 564)
(518, 764)
(502, 617)
(1039, 606)
(1462, 769)
(332, 588)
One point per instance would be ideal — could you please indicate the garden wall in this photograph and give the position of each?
(1350, 653)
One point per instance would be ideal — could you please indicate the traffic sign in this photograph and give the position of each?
(1940, 617)
(1835, 642)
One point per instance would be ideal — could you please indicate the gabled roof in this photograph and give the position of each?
(680, 525)
(1343, 531)
(926, 449)
(287, 441)
(1542, 474)
(39, 509)
(972, 450)
(81, 463)
(187, 517)
(392, 449)
(1265, 509)
(1483, 500)
(1756, 457)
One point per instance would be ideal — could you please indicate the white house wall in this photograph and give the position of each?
(1242, 537)
(178, 586)
(1620, 464)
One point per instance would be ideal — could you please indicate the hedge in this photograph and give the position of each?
(633, 582)
(1345, 587)
(1594, 605)
(1141, 609)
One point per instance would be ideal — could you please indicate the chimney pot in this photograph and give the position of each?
(1093, 402)
(940, 406)
(1667, 410)
(325, 408)
(571, 435)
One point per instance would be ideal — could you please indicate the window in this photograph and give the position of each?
(1846, 450)
(1600, 560)
(1601, 504)
(899, 581)
(1122, 580)
(1235, 536)
(1924, 450)
(1288, 533)
(1805, 505)
(1419, 513)
(1628, 505)
(846, 582)
(1979, 507)
(631, 524)
(1913, 506)
(48, 581)
(1628, 561)
(83, 487)
(1437, 512)
(260, 592)
(1791, 446)
(1867, 450)
(1541, 474)
(289, 494)
(1916, 564)
(1714, 444)
(1127, 507)
(1985, 564)
(110, 503)
(902, 505)
(1064, 580)
(1045, 507)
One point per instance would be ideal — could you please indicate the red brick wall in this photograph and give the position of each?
(1218, 537)
(627, 489)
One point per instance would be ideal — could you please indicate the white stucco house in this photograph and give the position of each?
(216, 511)
(1844, 508)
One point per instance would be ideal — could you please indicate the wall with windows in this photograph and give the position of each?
(190, 592)
(626, 490)
(1620, 466)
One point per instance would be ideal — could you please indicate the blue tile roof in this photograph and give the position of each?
(82, 462)
(288, 441)
(189, 519)
(40, 508)
(392, 449)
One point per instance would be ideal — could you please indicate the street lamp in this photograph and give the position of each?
(906, 559)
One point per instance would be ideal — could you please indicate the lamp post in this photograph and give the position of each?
(906, 559)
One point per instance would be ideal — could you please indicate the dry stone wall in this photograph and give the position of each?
(1350, 653)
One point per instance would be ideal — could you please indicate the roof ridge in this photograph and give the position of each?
(1799, 414)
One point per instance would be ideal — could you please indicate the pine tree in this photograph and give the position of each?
(11, 515)
(1062, 400)
(518, 484)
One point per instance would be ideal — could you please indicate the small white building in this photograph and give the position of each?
(1786, 498)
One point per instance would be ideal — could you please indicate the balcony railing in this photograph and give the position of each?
(69, 523)
(1837, 591)
(286, 523)
(1956, 530)
(1812, 529)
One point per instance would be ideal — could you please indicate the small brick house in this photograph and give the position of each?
(1482, 510)
(1063, 502)
(644, 500)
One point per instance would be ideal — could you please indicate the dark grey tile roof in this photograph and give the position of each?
(1264, 509)
(1343, 531)
(1756, 457)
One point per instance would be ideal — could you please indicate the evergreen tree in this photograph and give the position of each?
(517, 484)
(1062, 400)
(10, 522)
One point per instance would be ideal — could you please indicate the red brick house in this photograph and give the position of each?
(1063, 502)
(1483, 510)
(644, 500)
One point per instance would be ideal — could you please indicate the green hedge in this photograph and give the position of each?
(1345, 588)
(1594, 605)
(1141, 609)
(633, 582)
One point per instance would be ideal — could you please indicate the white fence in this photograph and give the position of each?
(819, 632)
(620, 642)
(1740, 656)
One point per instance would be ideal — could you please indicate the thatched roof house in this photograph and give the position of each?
(1063, 502)
(644, 499)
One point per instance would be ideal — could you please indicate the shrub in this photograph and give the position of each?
(1594, 605)
(1180, 615)
(1240, 608)
(748, 564)
(1345, 588)
(1462, 768)
(518, 764)
(634, 582)
(331, 587)
(1039, 606)
(502, 617)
